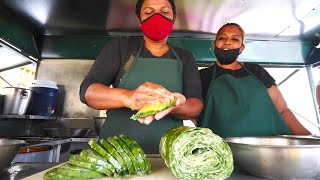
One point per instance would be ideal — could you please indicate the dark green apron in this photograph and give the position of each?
(163, 71)
(237, 107)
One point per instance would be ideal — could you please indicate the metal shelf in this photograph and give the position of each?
(31, 117)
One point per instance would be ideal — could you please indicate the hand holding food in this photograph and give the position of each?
(158, 110)
(152, 109)
(148, 93)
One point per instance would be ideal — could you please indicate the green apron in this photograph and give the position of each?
(238, 107)
(163, 71)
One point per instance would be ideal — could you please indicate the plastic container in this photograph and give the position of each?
(44, 98)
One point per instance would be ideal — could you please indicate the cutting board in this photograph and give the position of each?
(159, 171)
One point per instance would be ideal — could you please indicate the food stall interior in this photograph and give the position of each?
(57, 35)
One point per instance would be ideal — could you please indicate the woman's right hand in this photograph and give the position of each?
(148, 93)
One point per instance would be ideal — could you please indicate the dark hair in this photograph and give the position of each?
(238, 26)
(140, 2)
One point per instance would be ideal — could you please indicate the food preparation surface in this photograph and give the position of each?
(159, 171)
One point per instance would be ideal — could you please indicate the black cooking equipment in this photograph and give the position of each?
(66, 132)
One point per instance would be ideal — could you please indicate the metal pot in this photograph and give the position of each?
(16, 100)
(66, 132)
(277, 157)
(8, 150)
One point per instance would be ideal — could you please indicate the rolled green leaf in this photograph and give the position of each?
(196, 153)
(153, 109)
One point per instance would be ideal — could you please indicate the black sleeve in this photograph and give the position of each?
(104, 69)
(191, 76)
(206, 77)
(261, 74)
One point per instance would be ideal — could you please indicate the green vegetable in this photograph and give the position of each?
(79, 172)
(106, 155)
(127, 150)
(145, 159)
(54, 175)
(114, 153)
(138, 158)
(120, 155)
(196, 153)
(123, 154)
(91, 156)
(153, 109)
(78, 161)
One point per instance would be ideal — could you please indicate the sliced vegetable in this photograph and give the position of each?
(79, 172)
(106, 155)
(145, 159)
(114, 153)
(127, 150)
(91, 156)
(54, 175)
(141, 169)
(153, 109)
(120, 155)
(123, 154)
(76, 160)
(196, 153)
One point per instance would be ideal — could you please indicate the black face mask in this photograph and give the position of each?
(226, 57)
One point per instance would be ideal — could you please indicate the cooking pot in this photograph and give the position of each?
(8, 150)
(16, 100)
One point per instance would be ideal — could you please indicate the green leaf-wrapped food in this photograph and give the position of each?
(153, 109)
(196, 153)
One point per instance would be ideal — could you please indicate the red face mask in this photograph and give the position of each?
(157, 27)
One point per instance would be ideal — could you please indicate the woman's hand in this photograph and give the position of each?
(148, 93)
(181, 99)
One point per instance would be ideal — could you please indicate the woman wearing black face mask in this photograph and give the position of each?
(242, 99)
(144, 71)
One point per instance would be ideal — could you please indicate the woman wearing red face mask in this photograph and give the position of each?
(144, 71)
(242, 99)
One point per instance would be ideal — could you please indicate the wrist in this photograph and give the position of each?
(126, 98)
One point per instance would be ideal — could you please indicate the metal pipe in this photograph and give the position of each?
(313, 91)
(288, 77)
(6, 81)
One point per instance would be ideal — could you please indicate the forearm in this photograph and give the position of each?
(293, 123)
(190, 109)
(99, 96)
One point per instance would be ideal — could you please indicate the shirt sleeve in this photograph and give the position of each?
(191, 77)
(104, 69)
(262, 74)
(206, 78)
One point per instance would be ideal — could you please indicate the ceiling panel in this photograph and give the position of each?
(272, 19)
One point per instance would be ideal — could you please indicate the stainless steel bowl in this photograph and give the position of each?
(66, 132)
(8, 150)
(277, 157)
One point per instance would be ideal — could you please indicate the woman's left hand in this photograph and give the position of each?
(181, 99)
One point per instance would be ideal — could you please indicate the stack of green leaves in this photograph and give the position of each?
(196, 153)
(116, 156)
